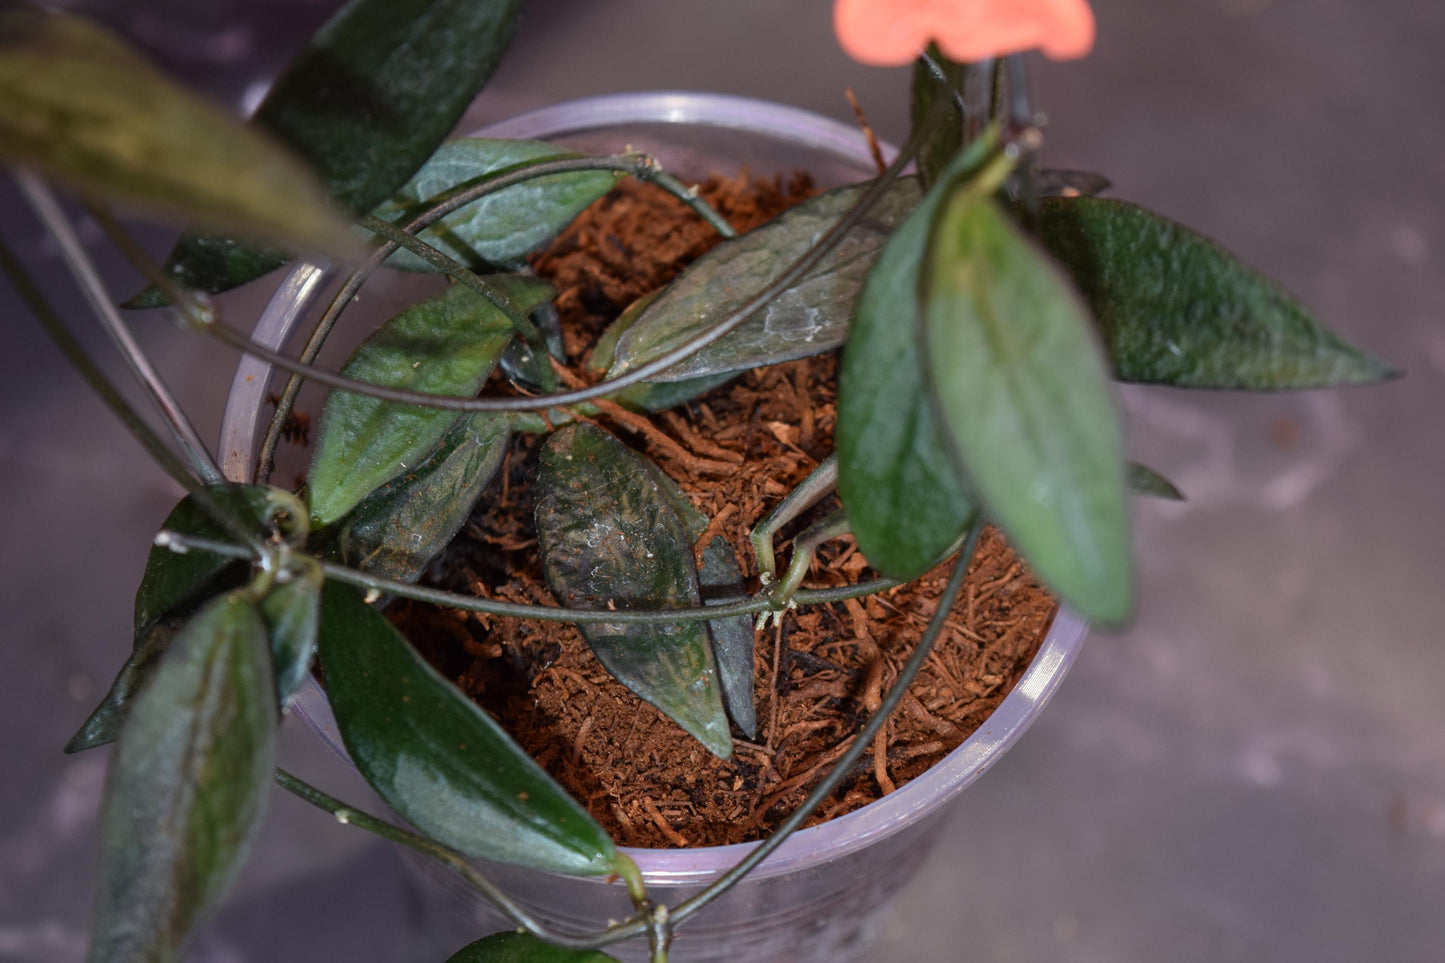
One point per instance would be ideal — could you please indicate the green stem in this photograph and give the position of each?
(349, 816)
(47, 209)
(638, 165)
(461, 273)
(180, 541)
(860, 744)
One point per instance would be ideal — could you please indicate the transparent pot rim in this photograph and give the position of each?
(808, 847)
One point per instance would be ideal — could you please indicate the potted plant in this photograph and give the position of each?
(996, 371)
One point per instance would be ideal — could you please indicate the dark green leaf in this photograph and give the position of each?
(446, 345)
(720, 580)
(609, 539)
(906, 501)
(187, 786)
(438, 759)
(943, 143)
(500, 228)
(1177, 309)
(79, 105)
(647, 395)
(174, 586)
(1144, 480)
(532, 370)
(1022, 394)
(291, 610)
(809, 318)
(367, 102)
(398, 529)
(522, 948)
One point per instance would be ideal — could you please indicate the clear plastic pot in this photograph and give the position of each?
(817, 896)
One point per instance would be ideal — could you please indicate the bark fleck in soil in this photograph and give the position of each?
(817, 676)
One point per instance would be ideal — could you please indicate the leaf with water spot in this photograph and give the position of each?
(502, 227)
(438, 759)
(811, 317)
(1177, 309)
(448, 345)
(610, 540)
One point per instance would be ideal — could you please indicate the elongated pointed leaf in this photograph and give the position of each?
(1022, 395)
(906, 500)
(647, 395)
(945, 140)
(809, 318)
(609, 539)
(438, 759)
(292, 611)
(446, 345)
(187, 786)
(522, 948)
(500, 228)
(399, 528)
(1144, 480)
(81, 106)
(1177, 309)
(174, 587)
(369, 99)
(720, 580)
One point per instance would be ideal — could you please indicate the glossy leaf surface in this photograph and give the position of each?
(809, 318)
(447, 344)
(187, 786)
(1177, 309)
(439, 760)
(610, 539)
(906, 500)
(81, 106)
(500, 228)
(399, 528)
(368, 100)
(522, 948)
(174, 586)
(720, 580)
(292, 611)
(1023, 400)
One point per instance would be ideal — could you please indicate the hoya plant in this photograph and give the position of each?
(982, 304)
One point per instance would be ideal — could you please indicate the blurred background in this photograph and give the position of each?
(1254, 770)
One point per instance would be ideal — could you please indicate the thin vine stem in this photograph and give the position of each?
(861, 742)
(348, 815)
(638, 165)
(79, 359)
(730, 321)
(48, 210)
(182, 542)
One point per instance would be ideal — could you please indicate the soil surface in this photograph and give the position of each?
(736, 452)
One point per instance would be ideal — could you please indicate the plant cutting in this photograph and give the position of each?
(987, 330)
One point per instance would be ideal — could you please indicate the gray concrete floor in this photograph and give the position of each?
(1255, 770)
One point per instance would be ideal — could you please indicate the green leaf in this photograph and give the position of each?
(398, 529)
(1177, 309)
(447, 344)
(647, 395)
(1144, 480)
(174, 586)
(720, 580)
(522, 948)
(1022, 394)
(187, 786)
(500, 228)
(81, 106)
(609, 539)
(291, 610)
(369, 99)
(906, 501)
(1058, 182)
(811, 317)
(438, 759)
(943, 143)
